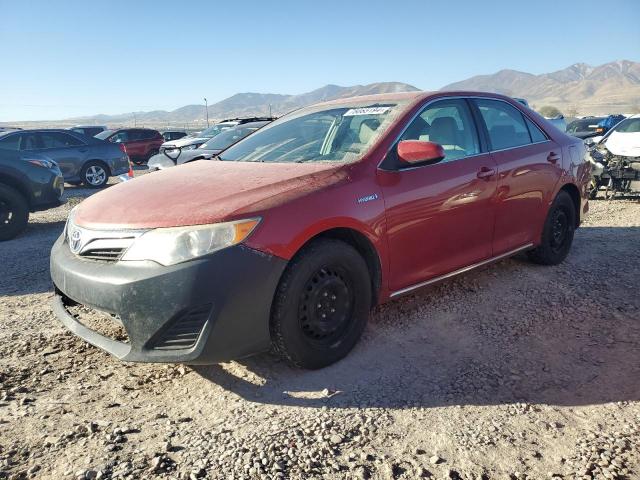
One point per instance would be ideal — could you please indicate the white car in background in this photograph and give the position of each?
(616, 159)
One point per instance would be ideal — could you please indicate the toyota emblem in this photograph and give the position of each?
(75, 241)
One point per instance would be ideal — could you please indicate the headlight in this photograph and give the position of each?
(169, 246)
(42, 163)
(190, 147)
(72, 214)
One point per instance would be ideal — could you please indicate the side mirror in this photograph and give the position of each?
(416, 151)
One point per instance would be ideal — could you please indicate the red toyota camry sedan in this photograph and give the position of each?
(289, 238)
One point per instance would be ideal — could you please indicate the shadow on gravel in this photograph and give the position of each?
(513, 332)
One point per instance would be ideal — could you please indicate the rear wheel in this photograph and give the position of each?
(94, 174)
(322, 304)
(14, 212)
(557, 234)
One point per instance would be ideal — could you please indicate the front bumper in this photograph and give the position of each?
(222, 302)
(49, 193)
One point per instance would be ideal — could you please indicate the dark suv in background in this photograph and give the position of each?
(29, 181)
(81, 159)
(140, 143)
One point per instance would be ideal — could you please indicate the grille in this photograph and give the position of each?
(103, 254)
(183, 333)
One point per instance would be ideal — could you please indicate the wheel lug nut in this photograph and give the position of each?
(333, 297)
(326, 294)
(324, 316)
(333, 310)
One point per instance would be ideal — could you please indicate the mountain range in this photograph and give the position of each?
(579, 89)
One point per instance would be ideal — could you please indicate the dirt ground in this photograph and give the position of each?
(516, 371)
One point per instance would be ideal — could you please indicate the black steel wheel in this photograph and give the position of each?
(14, 212)
(557, 234)
(321, 305)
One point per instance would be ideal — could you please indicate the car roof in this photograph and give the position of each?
(255, 124)
(417, 96)
(27, 130)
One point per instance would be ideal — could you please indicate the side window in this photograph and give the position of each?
(505, 124)
(536, 133)
(10, 142)
(30, 141)
(58, 140)
(120, 137)
(448, 123)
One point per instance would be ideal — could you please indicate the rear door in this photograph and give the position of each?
(529, 167)
(135, 143)
(440, 216)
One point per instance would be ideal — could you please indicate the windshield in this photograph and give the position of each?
(630, 125)
(586, 125)
(213, 131)
(104, 135)
(336, 133)
(227, 138)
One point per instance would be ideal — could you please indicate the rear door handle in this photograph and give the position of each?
(553, 157)
(486, 172)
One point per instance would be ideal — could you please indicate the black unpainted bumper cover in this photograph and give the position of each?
(238, 282)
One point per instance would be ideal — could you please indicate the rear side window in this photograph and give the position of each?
(506, 125)
(142, 134)
(10, 142)
(448, 123)
(58, 140)
(535, 132)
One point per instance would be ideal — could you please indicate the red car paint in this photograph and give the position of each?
(141, 143)
(422, 222)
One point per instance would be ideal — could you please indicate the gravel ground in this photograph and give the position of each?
(513, 372)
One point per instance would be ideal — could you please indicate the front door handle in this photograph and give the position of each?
(553, 158)
(486, 173)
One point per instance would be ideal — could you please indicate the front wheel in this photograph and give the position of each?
(14, 212)
(94, 174)
(557, 233)
(321, 305)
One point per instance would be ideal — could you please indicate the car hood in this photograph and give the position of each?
(184, 141)
(624, 144)
(200, 193)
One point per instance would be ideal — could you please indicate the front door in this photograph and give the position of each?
(440, 217)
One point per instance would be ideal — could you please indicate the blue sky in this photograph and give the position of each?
(64, 59)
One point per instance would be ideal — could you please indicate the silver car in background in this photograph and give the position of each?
(177, 156)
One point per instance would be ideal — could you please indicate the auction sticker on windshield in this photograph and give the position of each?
(366, 111)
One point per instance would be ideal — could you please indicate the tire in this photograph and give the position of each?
(14, 212)
(557, 234)
(321, 305)
(94, 174)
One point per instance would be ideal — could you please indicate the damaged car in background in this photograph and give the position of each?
(615, 160)
(206, 151)
(194, 141)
